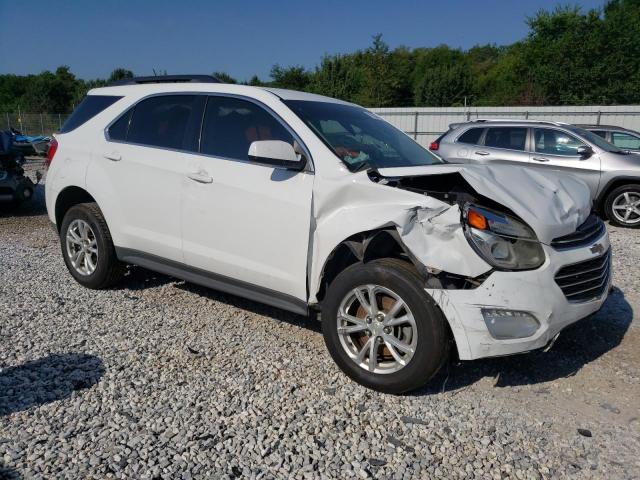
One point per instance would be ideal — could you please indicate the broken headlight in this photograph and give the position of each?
(501, 240)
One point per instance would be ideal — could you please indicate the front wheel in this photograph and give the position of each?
(622, 206)
(381, 327)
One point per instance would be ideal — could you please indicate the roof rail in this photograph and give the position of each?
(516, 120)
(167, 79)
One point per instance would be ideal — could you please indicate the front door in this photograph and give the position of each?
(558, 150)
(241, 220)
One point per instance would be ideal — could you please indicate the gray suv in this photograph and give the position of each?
(613, 174)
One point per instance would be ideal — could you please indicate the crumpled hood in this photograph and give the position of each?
(552, 203)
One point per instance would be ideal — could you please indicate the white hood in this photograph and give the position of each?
(551, 203)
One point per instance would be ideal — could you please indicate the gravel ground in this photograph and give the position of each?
(162, 379)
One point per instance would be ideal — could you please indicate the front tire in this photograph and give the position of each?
(87, 247)
(622, 206)
(382, 329)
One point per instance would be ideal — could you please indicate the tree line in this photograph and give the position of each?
(569, 57)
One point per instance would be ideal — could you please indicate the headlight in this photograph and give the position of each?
(501, 240)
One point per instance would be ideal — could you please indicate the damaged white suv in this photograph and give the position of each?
(313, 204)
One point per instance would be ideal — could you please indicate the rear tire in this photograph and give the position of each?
(87, 247)
(408, 354)
(622, 202)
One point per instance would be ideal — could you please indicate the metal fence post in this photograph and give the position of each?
(59, 122)
(41, 125)
(599, 114)
(526, 115)
(468, 115)
(415, 125)
(8, 121)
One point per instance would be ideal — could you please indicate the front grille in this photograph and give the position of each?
(586, 280)
(586, 234)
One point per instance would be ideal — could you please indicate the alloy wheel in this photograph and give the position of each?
(377, 329)
(82, 247)
(626, 208)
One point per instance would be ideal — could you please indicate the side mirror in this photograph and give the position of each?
(584, 151)
(276, 153)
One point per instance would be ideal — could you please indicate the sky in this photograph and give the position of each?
(242, 37)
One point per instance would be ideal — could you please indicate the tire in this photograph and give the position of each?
(107, 269)
(614, 206)
(431, 340)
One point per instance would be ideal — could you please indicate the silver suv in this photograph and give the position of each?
(613, 174)
(621, 137)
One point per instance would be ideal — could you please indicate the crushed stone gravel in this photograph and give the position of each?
(158, 378)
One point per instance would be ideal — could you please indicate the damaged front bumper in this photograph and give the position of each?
(547, 294)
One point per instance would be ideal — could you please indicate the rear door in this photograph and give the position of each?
(557, 150)
(242, 220)
(139, 170)
(503, 144)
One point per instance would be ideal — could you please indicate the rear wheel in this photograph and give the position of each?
(87, 247)
(622, 206)
(381, 327)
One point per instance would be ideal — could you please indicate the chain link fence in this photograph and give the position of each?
(34, 123)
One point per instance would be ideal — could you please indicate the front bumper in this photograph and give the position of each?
(534, 291)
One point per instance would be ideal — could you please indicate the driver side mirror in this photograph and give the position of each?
(276, 153)
(584, 151)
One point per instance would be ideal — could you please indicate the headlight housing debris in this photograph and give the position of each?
(502, 241)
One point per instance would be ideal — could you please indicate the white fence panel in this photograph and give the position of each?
(426, 123)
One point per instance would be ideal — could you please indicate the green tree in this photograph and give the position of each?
(295, 78)
(224, 77)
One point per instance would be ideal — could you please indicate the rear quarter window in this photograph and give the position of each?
(90, 106)
(471, 136)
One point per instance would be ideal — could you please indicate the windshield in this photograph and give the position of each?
(360, 138)
(595, 139)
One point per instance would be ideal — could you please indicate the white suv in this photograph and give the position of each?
(312, 204)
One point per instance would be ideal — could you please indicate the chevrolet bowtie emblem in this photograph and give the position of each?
(597, 249)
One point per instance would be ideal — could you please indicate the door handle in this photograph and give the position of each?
(540, 159)
(200, 177)
(482, 152)
(113, 156)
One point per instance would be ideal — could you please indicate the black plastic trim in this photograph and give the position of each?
(166, 79)
(213, 280)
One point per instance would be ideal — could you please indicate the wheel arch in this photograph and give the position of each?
(612, 185)
(67, 198)
(360, 247)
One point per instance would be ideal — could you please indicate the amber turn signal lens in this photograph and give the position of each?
(476, 220)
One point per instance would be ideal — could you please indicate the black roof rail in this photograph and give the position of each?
(167, 79)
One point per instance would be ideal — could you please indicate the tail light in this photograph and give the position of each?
(434, 146)
(51, 151)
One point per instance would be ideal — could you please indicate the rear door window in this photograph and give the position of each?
(625, 140)
(167, 121)
(512, 138)
(471, 136)
(600, 133)
(555, 142)
(89, 107)
(231, 125)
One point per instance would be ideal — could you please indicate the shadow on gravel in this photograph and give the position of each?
(31, 208)
(578, 345)
(46, 380)
(259, 308)
(7, 473)
(139, 278)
